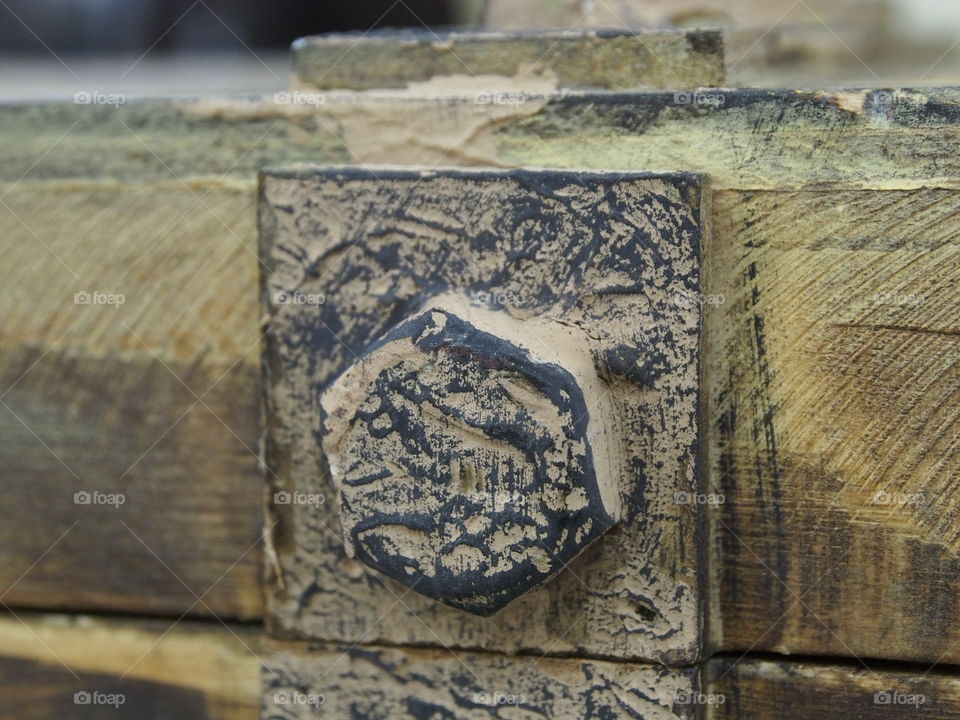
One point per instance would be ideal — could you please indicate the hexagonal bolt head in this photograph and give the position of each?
(471, 453)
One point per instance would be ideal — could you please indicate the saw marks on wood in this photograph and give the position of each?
(128, 372)
(834, 395)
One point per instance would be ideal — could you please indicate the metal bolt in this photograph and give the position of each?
(471, 454)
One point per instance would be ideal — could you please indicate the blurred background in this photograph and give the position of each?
(52, 48)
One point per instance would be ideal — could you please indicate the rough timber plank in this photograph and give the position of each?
(158, 139)
(194, 672)
(753, 689)
(154, 201)
(230, 138)
(642, 60)
(833, 398)
(747, 139)
(103, 398)
(301, 681)
(626, 273)
(751, 139)
(875, 139)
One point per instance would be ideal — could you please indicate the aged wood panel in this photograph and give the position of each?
(755, 689)
(885, 138)
(128, 373)
(301, 681)
(773, 140)
(159, 139)
(79, 667)
(833, 395)
(642, 60)
(751, 139)
(371, 247)
(788, 138)
(152, 202)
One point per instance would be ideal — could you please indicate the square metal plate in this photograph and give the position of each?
(347, 253)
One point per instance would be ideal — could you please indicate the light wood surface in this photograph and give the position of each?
(82, 667)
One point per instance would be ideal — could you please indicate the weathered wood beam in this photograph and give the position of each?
(471, 62)
(301, 681)
(70, 666)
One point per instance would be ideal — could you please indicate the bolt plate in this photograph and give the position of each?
(349, 253)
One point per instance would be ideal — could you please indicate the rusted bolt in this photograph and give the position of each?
(471, 453)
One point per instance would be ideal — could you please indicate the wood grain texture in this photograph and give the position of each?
(159, 139)
(751, 139)
(626, 274)
(642, 60)
(886, 138)
(153, 202)
(92, 669)
(151, 401)
(754, 689)
(833, 397)
(302, 681)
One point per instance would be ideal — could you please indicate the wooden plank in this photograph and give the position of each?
(153, 399)
(747, 139)
(751, 139)
(228, 139)
(832, 397)
(642, 60)
(301, 681)
(159, 139)
(154, 202)
(69, 666)
(781, 140)
(835, 354)
(753, 689)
